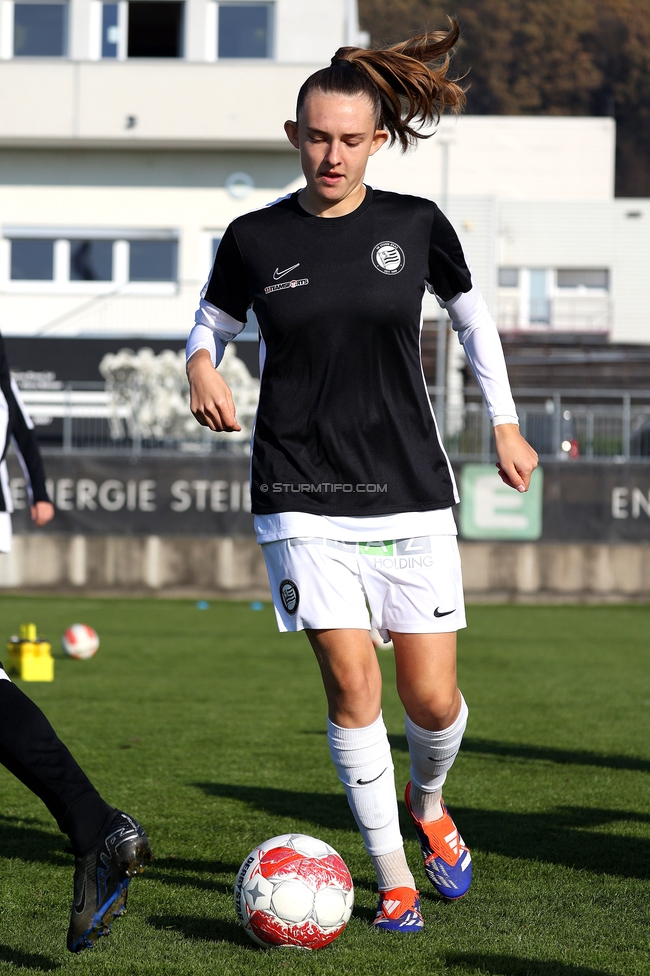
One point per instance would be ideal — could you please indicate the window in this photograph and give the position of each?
(43, 260)
(508, 277)
(91, 260)
(110, 30)
(40, 30)
(155, 29)
(540, 307)
(583, 278)
(32, 260)
(244, 30)
(152, 261)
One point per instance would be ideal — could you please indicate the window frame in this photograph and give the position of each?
(122, 11)
(546, 299)
(595, 290)
(9, 30)
(214, 18)
(511, 268)
(62, 284)
(559, 297)
(182, 38)
(33, 280)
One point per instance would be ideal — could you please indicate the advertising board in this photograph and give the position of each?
(198, 495)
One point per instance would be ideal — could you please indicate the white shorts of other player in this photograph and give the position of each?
(412, 586)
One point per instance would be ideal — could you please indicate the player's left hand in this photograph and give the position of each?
(42, 513)
(517, 459)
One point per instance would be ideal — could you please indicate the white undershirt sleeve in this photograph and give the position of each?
(479, 337)
(213, 328)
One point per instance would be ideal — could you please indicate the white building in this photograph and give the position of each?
(533, 202)
(132, 132)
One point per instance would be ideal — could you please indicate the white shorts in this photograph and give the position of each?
(412, 586)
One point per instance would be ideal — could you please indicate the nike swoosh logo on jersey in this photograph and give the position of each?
(445, 613)
(365, 782)
(280, 274)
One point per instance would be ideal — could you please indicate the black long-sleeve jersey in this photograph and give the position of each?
(16, 423)
(344, 424)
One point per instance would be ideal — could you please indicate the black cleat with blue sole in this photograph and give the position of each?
(101, 880)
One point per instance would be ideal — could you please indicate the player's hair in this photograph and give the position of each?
(406, 83)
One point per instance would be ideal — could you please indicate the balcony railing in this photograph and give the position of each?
(562, 313)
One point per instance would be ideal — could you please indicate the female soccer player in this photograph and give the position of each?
(352, 491)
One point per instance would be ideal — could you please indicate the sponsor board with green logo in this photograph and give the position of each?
(491, 510)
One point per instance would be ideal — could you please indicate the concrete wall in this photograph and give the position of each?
(555, 572)
(172, 103)
(134, 564)
(191, 565)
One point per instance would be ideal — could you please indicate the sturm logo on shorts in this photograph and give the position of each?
(289, 596)
(388, 257)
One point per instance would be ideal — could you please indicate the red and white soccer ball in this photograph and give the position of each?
(80, 641)
(294, 890)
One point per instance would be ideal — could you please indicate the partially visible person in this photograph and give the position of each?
(16, 425)
(109, 846)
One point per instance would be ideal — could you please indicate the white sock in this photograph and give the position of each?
(365, 767)
(432, 756)
(426, 806)
(392, 870)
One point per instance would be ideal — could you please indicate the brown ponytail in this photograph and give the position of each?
(406, 83)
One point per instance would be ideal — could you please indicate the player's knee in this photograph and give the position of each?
(356, 684)
(435, 710)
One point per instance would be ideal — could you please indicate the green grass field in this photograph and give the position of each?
(209, 727)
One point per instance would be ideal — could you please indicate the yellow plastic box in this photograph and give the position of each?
(30, 656)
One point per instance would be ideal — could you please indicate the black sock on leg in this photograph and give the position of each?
(32, 751)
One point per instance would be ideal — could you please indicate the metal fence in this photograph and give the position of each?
(577, 425)
(610, 426)
(80, 418)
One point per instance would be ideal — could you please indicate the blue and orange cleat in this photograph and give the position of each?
(447, 861)
(399, 911)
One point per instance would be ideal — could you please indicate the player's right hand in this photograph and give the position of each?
(42, 513)
(211, 401)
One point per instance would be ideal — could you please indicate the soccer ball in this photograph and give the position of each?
(80, 641)
(378, 641)
(294, 890)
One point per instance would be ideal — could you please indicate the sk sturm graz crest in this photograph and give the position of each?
(289, 596)
(388, 257)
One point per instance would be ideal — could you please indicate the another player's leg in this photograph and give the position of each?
(360, 751)
(436, 716)
(109, 846)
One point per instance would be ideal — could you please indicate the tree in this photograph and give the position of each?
(546, 57)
